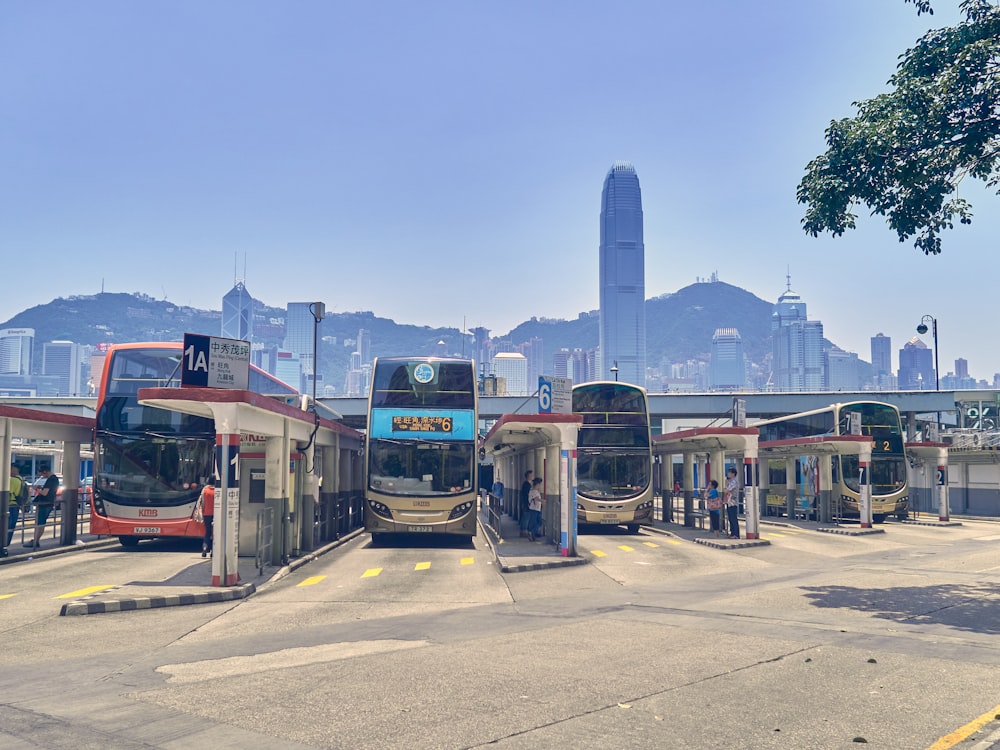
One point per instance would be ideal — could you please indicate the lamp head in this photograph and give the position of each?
(922, 328)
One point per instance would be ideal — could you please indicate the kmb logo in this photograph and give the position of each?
(147, 512)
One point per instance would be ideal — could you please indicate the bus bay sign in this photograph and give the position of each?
(210, 362)
(555, 395)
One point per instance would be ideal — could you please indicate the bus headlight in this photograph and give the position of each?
(99, 507)
(645, 505)
(380, 509)
(460, 510)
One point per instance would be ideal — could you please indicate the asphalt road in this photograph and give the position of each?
(816, 641)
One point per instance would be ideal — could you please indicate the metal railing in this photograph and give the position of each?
(265, 538)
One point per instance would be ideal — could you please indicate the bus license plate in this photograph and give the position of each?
(146, 530)
(418, 528)
(610, 518)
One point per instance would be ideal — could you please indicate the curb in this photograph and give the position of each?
(84, 607)
(850, 532)
(491, 539)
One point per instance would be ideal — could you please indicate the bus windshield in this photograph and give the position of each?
(606, 475)
(142, 469)
(419, 467)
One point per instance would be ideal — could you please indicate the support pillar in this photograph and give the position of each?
(71, 493)
(225, 558)
(825, 485)
(5, 441)
(864, 467)
(688, 490)
(751, 497)
(791, 487)
(944, 513)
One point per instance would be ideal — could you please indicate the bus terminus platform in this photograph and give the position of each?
(299, 447)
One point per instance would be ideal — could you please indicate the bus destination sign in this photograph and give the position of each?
(421, 424)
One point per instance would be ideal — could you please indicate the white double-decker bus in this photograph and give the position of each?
(614, 455)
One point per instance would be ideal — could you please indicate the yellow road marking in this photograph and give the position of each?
(962, 733)
(311, 580)
(422, 566)
(597, 553)
(625, 548)
(650, 544)
(7, 596)
(468, 560)
(84, 592)
(672, 541)
(775, 533)
(371, 572)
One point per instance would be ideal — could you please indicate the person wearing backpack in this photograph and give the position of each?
(18, 494)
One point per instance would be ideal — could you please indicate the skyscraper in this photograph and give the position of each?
(728, 368)
(796, 346)
(237, 314)
(916, 367)
(16, 351)
(63, 359)
(622, 278)
(882, 362)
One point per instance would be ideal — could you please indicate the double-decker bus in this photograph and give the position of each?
(887, 474)
(421, 446)
(614, 455)
(149, 463)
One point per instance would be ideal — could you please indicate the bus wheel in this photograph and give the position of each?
(129, 541)
(878, 518)
(633, 528)
(377, 539)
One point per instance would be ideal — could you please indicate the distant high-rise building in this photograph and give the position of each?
(288, 369)
(843, 371)
(299, 325)
(512, 368)
(961, 368)
(365, 345)
(622, 278)
(16, 351)
(796, 346)
(533, 351)
(64, 360)
(238, 314)
(728, 367)
(882, 362)
(916, 367)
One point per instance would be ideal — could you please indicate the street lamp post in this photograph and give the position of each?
(318, 310)
(922, 329)
(614, 369)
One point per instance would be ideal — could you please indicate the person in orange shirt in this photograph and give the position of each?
(205, 512)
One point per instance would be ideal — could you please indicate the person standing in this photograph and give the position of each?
(205, 511)
(14, 511)
(535, 503)
(523, 502)
(713, 502)
(45, 500)
(733, 503)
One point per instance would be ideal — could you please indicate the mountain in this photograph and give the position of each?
(679, 327)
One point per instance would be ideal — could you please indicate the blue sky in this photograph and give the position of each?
(441, 163)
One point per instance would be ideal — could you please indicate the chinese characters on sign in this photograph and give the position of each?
(211, 362)
(421, 424)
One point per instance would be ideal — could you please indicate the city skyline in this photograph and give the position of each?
(442, 152)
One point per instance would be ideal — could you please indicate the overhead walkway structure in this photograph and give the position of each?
(299, 448)
(35, 424)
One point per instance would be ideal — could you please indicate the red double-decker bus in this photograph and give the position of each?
(150, 464)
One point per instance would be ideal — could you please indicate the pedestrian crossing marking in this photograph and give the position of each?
(371, 572)
(651, 544)
(468, 560)
(84, 592)
(598, 553)
(625, 548)
(422, 566)
(311, 581)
